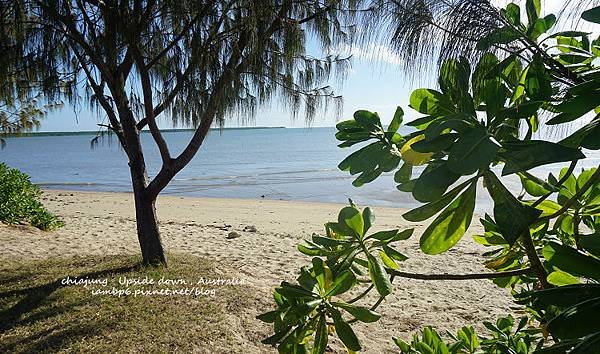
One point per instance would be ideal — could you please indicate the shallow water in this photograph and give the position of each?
(277, 163)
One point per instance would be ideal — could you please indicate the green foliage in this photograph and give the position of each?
(483, 118)
(19, 201)
(505, 338)
(343, 255)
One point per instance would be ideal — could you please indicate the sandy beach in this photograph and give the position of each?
(104, 224)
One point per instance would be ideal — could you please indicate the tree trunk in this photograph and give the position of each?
(145, 211)
(147, 229)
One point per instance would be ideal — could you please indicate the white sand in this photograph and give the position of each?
(103, 223)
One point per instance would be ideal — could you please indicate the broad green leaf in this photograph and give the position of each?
(396, 121)
(504, 35)
(568, 34)
(468, 337)
(474, 150)
(402, 235)
(296, 313)
(407, 186)
(368, 120)
(404, 346)
(583, 178)
(368, 219)
(537, 82)
(577, 321)
(268, 317)
(430, 102)
(513, 13)
(591, 243)
(572, 261)
(404, 173)
(519, 91)
(524, 155)
(433, 182)
(454, 83)
(535, 186)
(311, 250)
(591, 141)
(588, 344)
(394, 254)
(428, 210)
(388, 261)
(294, 291)
(459, 122)
(367, 177)
(344, 331)
(450, 226)
(437, 144)
(592, 15)
(351, 218)
(342, 283)
(568, 188)
(276, 338)
(423, 122)
(364, 159)
(560, 278)
(541, 26)
(548, 207)
(568, 295)
(380, 278)
(384, 235)
(533, 9)
(363, 314)
(322, 273)
(512, 217)
(321, 336)
(576, 107)
(328, 241)
(413, 157)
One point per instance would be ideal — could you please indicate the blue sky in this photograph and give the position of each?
(375, 83)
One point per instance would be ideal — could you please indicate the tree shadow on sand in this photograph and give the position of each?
(42, 303)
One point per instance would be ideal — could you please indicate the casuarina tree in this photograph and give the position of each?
(193, 62)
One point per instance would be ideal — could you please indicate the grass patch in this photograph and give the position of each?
(40, 314)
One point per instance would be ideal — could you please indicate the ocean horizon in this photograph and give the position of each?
(298, 164)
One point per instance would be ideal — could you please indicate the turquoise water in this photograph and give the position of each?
(277, 163)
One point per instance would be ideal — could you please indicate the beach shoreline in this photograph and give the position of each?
(103, 223)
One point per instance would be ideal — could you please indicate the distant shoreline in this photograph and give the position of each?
(94, 132)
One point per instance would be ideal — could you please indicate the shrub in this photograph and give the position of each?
(545, 240)
(19, 201)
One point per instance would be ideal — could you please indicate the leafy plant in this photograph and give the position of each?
(19, 201)
(479, 126)
(346, 253)
(505, 338)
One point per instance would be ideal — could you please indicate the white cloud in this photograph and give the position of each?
(374, 54)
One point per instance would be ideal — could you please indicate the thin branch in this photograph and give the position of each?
(150, 117)
(469, 276)
(534, 260)
(176, 40)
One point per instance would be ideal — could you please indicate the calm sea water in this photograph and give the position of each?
(288, 164)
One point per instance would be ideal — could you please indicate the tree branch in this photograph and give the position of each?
(148, 107)
(470, 276)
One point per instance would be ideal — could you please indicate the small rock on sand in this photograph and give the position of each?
(250, 228)
(233, 234)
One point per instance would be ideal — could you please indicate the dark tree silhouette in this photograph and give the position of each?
(195, 62)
